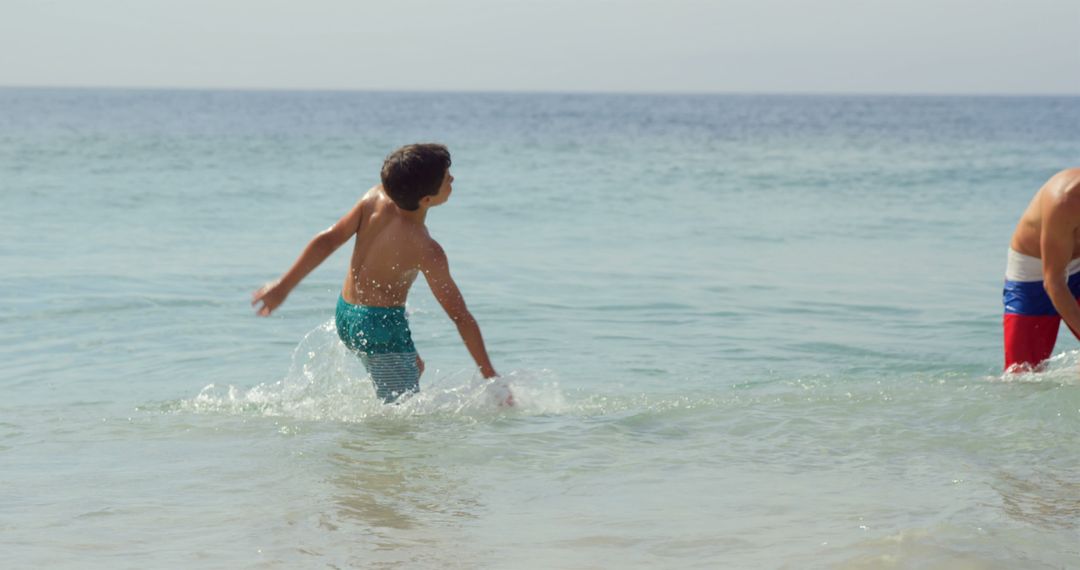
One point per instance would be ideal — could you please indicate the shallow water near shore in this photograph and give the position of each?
(742, 331)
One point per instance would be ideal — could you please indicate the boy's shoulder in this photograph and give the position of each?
(375, 201)
(432, 254)
(375, 196)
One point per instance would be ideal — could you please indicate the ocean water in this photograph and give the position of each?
(743, 331)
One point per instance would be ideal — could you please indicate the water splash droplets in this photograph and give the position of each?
(326, 382)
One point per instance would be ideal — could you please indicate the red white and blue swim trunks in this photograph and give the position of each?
(1031, 323)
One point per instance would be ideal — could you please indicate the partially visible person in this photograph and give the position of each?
(1042, 276)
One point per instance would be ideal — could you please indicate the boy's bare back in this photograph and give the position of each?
(388, 253)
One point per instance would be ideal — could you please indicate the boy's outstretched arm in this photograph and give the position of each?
(273, 294)
(436, 270)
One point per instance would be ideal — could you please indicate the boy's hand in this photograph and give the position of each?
(272, 295)
(500, 391)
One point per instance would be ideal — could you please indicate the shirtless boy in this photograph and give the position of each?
(1042, 278)
(392, 247)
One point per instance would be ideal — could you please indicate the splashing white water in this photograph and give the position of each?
(326, 382)
(1062, 369)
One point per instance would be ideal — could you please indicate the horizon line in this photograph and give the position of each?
(598, 92)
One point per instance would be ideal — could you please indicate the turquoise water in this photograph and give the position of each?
(744, 331)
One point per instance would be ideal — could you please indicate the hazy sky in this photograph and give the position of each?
(869, 46)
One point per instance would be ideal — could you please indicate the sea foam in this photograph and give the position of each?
(325, 382)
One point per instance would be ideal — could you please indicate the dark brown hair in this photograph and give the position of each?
(414, 171)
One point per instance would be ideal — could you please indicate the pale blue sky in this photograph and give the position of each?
(833, 46)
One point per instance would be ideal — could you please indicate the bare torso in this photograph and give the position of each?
(1061, 190)
(387, 253)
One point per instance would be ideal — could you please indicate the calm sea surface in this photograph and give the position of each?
(744, 331)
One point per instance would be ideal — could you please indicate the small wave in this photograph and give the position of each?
(1060, 370)
(326, 382)
(942, 546)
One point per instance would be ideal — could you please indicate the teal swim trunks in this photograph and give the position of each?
(381, 337)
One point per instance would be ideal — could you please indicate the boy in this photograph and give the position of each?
(392, 246)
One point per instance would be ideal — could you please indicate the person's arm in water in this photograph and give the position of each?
(1060, 221)
(273, 294)
(436, 270)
